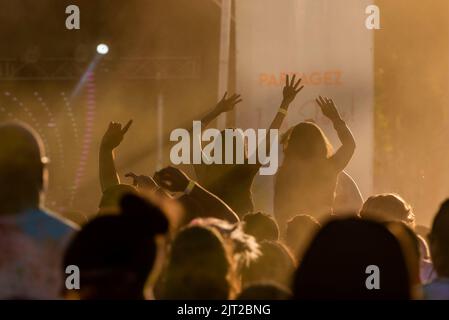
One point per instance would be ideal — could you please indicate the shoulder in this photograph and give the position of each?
(252, 168)
(59, 220)
(44, 223)
(345, 178)
(345, 181)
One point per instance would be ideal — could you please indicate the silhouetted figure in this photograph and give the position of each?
(275, 264)
(261, 225)
(426, 270)
(388, 207)
(348, 199)
(411, 249)
(32, 238)
(232, 182)
(422, 230)
(116, 253)
(307, 178)
(335, 265)
(194, 196)
(244, 247)
(300, 231)
(265, 291)
(201, 266)
(439, 248)
(110, 141)
(111, 197)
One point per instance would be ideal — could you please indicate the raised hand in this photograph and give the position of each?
(227, 104)
(142, 181)
(328, 108)
(114, 135)
(291, 89)
(172, 179)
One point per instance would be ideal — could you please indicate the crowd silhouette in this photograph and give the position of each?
(173, 236)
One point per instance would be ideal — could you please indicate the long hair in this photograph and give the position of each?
(306, 141)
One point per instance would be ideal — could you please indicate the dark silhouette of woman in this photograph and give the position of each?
(306, 181)
(232, 182)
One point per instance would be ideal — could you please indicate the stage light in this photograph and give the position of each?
(102, 48)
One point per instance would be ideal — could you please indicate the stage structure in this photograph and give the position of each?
(161, 70)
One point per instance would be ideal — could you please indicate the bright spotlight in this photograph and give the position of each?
(102, 48)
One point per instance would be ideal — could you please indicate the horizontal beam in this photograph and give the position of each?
(139, 68)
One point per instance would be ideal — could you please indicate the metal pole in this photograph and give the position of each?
(225, 41)
(160, 130)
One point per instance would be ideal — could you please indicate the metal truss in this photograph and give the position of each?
(145, 68)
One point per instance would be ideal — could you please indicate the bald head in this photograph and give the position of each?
(21, 167)
(18, 140)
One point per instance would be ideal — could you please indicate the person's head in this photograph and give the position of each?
(387, 207)
(411, 248)
(116, 253)
(200, 266)
(244, 247)
(22, 168)
(422, 230)
(231, 143)
(261, 225)
(306, 141)
(439, 241)
(111, 197)
(353, 259)
(265, 291)
(274, 264)
(300, 231)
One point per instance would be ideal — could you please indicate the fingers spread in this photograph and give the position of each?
(320, 101)
(299, 89)
(234, 97)
(297, 84)
(323, 102)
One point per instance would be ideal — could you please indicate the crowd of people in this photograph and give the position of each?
(172, 236)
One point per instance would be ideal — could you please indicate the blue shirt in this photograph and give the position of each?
(33, 244)
(437, 289)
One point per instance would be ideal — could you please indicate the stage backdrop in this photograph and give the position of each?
(325, 42)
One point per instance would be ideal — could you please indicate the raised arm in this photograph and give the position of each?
(289, 93)
(111, 140)
(174, 180)
(340, 158)
(291, 89)
(224, 105)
